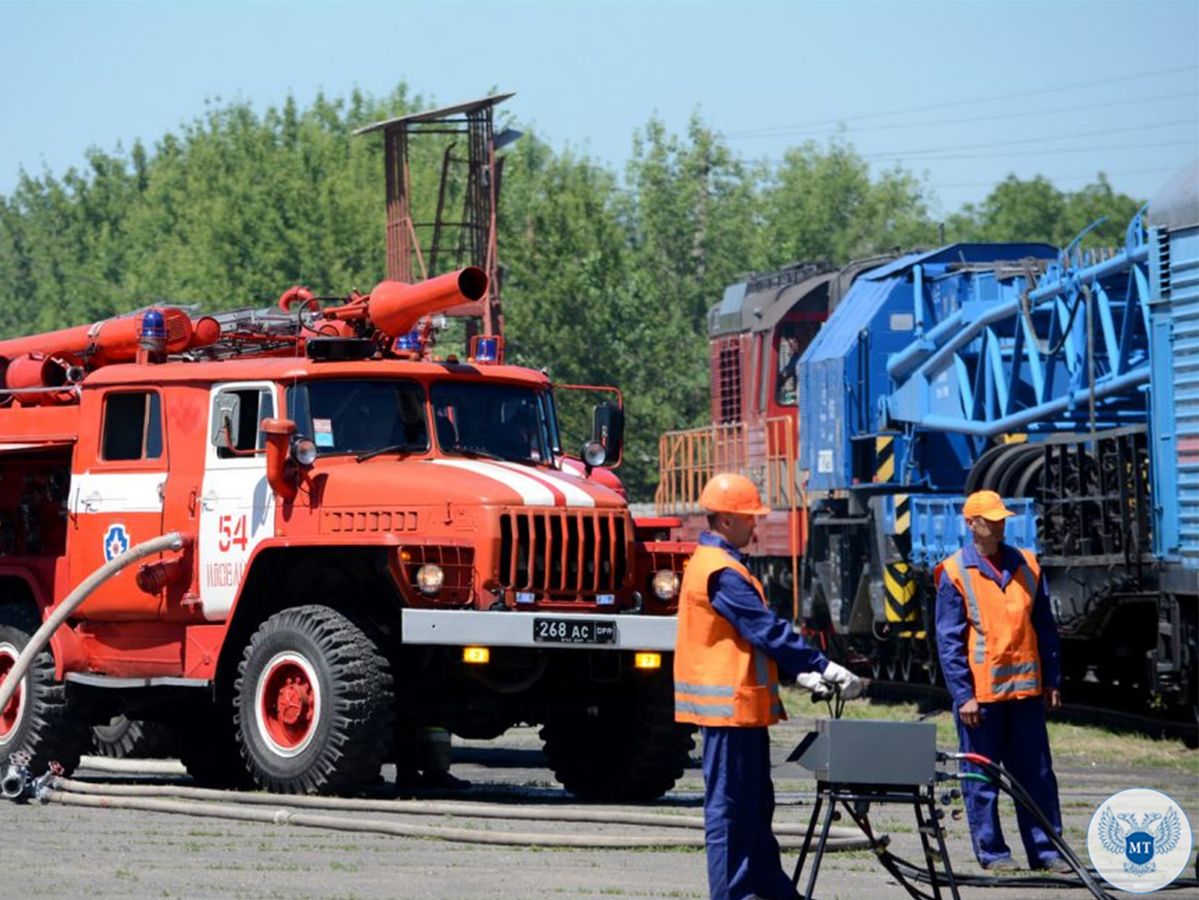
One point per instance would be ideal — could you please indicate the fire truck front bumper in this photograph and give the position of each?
(547, 631)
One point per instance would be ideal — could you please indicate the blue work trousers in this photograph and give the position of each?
(743, 856)
(1011, 732)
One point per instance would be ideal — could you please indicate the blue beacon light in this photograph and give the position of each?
(485, 350)
(153, 338)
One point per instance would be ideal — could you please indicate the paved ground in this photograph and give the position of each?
(63, 852)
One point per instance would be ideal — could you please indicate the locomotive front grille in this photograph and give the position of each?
(563, 552)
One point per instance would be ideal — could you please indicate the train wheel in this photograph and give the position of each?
(315, 703)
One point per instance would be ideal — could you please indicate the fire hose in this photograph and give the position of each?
(315, 812)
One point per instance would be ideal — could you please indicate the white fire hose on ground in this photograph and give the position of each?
(244, 806)
(240, 806)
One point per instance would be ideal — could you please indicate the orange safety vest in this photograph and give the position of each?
(1002, 644)
(719, 677)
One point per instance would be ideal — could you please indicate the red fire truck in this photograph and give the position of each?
(372, 538)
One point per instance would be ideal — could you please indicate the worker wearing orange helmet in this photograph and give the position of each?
(730, 651)
(999, 652)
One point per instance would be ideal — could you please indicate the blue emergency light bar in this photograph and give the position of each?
(408, 342)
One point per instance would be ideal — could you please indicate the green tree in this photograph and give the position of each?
(821, 204)
(1035, 210)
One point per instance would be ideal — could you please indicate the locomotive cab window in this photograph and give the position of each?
(132, 426)
(792, 338)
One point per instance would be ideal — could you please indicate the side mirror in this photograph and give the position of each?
(279, 433)
(225, 419)
(607, 430)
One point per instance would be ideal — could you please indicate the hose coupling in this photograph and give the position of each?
(14, 783)
(44, 784)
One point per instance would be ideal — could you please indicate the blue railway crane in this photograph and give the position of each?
(1068, 381)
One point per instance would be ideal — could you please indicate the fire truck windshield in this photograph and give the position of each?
(493, 420)
(359, 416)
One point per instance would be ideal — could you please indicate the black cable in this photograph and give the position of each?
(886, 858)
(1013, 788)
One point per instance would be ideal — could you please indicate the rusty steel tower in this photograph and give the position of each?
(417, 250)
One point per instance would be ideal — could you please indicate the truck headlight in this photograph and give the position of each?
(429, 579)
(593, 454)
(666, 584)
(303, 451)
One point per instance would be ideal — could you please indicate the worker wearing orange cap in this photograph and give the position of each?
(999, 653)
(730, 650)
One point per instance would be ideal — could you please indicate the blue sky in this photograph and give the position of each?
(965, 93)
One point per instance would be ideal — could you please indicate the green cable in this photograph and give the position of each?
(974, 776)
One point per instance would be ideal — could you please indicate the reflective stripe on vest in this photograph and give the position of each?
(1003, 658)
(720, 679)
(980, 641)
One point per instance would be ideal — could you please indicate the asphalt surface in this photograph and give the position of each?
(66, 852)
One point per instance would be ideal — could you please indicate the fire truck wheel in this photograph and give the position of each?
(624, 746)
(40, 719)
(315, 703)
(125, 738)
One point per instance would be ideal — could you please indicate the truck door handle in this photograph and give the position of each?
(208, 501)
(91, 502)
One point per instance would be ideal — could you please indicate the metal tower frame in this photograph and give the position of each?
(451, 242)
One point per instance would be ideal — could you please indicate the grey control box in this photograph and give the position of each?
(850, 751)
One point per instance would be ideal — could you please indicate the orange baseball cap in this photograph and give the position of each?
(987, 504)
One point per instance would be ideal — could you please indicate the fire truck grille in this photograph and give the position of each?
(563, 552)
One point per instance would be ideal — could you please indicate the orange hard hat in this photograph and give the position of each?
(731, 493)
(987, 504)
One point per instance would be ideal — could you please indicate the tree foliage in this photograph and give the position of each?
(608, 277)
(1035, 210)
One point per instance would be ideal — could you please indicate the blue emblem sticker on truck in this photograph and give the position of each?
(116, 542)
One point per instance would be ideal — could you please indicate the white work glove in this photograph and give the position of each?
(814, 682)
(851, 685)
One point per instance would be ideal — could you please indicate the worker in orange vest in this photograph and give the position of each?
(730, 650)
(999, 653)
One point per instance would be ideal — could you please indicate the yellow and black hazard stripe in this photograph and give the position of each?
(903, 513)
(900, 584)
(884, 458)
